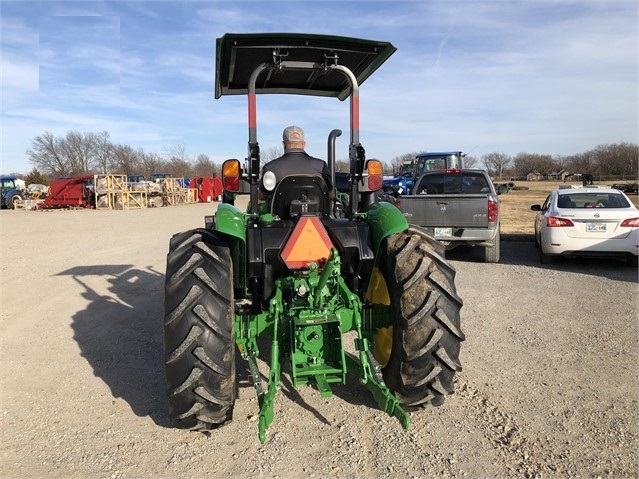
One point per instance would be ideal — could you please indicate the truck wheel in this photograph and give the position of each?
(492, 253)
(198, 331)
(427, 335)
(13, 201)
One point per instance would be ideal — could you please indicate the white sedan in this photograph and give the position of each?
(587, 221)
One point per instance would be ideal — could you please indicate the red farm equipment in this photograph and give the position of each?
(208, 188)
(76, 192)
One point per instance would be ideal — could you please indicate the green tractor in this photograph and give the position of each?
(336, 287)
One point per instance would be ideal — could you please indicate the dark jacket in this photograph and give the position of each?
(297, 162)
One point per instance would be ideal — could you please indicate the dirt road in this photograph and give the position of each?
(549, 386)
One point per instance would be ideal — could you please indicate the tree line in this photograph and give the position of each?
(616, 160)
(79, 153)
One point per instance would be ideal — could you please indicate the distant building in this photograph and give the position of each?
(534, 176)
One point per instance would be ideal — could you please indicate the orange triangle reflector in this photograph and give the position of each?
(308, 243)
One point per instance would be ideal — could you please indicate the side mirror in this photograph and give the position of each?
(535, 207)
(502, 189)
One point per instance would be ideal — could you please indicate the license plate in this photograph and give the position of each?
(596, 227)
(443, 232)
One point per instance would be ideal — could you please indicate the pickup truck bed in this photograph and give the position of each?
(458, 207)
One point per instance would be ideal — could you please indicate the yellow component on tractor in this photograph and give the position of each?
(377, 293)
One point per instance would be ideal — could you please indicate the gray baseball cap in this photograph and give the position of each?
(293, 134)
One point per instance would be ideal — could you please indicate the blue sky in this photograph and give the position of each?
(555, 77)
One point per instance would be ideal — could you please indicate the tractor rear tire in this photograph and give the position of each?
(198, 331)
(425, 308)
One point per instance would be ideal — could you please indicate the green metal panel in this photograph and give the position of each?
(384, 219)
(231, 221)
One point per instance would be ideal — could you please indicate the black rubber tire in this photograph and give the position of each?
(13, 200)
(198, 331)
(426, 324)
(493, 253)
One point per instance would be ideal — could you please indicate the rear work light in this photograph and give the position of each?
(493, 211)
(231, 175)
(553, 221)
(630, 223)
(373, 176)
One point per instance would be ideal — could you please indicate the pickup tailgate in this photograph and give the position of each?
(446, 211)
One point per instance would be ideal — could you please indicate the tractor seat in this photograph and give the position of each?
(300, 194)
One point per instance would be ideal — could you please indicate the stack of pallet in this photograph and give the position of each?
(175, 193)
(112, 192)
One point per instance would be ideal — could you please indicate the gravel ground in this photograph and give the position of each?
(549, 386)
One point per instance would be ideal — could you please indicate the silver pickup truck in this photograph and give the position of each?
(457, 207)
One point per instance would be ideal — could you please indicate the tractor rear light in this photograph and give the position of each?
(373, 175)
(553, 222)
(493, 211)
(231, 175)
(630, 223)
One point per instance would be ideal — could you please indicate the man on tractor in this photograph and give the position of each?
(294, 161)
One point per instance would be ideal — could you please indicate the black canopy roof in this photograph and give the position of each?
(237, 56)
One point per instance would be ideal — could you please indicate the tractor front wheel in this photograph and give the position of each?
(425, 307)
(198, 331)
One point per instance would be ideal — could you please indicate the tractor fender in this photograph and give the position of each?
(230, 221)
(384, 220)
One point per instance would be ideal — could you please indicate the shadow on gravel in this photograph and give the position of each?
(520, 250)
(120, 333)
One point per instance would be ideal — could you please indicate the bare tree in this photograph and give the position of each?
(398, 161)
(269, 154)
(150, 163)
(525, 163)
(47, 156)
(178, 161)
(343, 166)
(125, 160)
(496, 163)
(80, 150)
(471, 162)
(103, 152)
(204, 166)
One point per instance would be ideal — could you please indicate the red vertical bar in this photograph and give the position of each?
(252, 110)
(355, 112)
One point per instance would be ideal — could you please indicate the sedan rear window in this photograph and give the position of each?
(592, 200)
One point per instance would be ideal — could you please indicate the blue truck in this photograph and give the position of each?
(402, 183)
(10, 193)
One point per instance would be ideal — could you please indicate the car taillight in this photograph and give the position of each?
(553, 221)
(453, 171)
(631, 222)
(493, 211)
